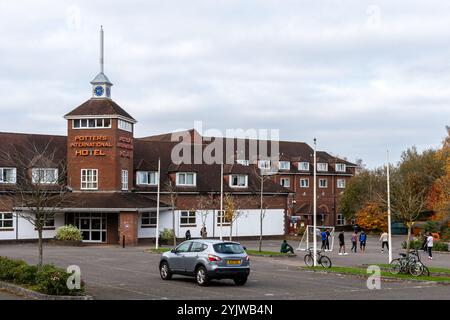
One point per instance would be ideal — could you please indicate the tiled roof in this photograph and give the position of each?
(99, 107)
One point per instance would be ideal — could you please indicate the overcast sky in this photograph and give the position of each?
(361, 76)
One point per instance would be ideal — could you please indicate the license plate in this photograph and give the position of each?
(233, 262)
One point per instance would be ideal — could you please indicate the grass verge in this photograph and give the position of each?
(267, 253)
(159, 250)
(445, 271)
(385, 274)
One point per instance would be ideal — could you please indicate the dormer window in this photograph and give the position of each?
(322, 166)
(285, 165)
(303, 166)
(44, 175)
(242, 162)
(264, 164)
(238, 180)
(340, 167)
(93, 123)
(147, 178)
(186, 178)
(125, 125)
(8, 175)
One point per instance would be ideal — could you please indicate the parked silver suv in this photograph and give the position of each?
(206, 260)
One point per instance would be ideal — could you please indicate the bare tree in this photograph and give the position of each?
(40, 189)
(171, 189)
(204, 204)
(233, 209)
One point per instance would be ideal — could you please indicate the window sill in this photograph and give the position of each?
(188, 225)
(149, 226)
(6, 229)
(46, 228)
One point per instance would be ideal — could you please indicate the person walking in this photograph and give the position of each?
(188, 235)
(362, 241)
(342, 244)
(203, 232)
(430, 246)
(324, 239)
(384, 238)
(327, 240)
(354, 241)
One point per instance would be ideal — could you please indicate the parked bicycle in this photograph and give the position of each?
(323, 260)
(408, 264)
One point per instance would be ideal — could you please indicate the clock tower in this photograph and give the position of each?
(101, 86)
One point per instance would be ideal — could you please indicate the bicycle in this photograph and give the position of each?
(323, 260)
(407, 264)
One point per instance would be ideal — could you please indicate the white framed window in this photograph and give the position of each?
(186, 178)
(242, 162)
(285, 165)
(322, 166)
(285, 182)
(340, 219)
(125, 125)
(303, 166)
(8, 175)
(6, 220)
(124, 179)
(188, 218)
(44, 175)
(221, 218)
(304, 183)
(340, 167)
(264, 164)
(238, 180)
(148, 219)
(147, 178)
(341, 183)
(323, 183)
(93, 123)
(89, 179)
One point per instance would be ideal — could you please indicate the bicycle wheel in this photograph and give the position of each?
(426, 271)
(325, 262)
(416, 269)
(395, 266)
(309, 261)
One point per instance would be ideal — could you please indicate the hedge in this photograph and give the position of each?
(50, 280)
(417, 244)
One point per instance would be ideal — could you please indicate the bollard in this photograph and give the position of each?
(123, 242)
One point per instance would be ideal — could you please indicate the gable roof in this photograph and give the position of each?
(99, 107)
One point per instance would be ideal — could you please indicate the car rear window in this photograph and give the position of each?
(228, 247)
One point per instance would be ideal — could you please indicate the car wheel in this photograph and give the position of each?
(201, 276)
(240, 281)
(164, 271)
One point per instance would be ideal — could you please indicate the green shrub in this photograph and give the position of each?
(440, 246)
(25, 274)
(432, 226)
(301, 231)
(8, 267)
(69, 233)
(413, 244)
(52, 280)
(167, 234)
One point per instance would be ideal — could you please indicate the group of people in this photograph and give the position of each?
(203, 233)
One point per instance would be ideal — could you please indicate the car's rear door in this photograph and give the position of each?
(191, 257)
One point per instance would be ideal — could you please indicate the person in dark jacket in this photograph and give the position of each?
(188, 235)
(342, 244)
(362, 241)
(286, 247)
(327, 240)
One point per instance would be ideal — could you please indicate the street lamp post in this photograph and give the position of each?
(389, 209)
(315, 207)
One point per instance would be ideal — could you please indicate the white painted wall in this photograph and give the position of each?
(25, 230)
(247, 224)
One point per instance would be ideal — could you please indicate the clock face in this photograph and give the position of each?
(108, 92)
(98, 91)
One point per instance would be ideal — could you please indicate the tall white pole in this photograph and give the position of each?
(315, 208)
(157, 204)
(101, 49)
(221, 200)
(389, 209)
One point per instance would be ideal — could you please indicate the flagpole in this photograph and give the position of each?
(389, 209)
(315, 208)
(157, 204)
(221, 199)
